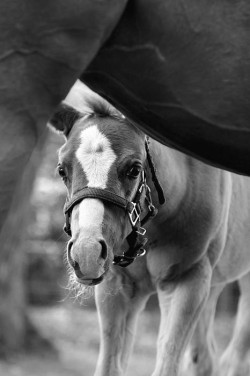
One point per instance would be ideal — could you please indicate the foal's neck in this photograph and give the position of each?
(171, 174)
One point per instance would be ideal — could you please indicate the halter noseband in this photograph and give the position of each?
(135, 239)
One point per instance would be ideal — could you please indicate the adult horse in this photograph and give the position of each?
(198, 241)
(179, 69)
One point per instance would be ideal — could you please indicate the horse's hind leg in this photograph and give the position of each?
(119, 302)
(235, 360)
(200, 358)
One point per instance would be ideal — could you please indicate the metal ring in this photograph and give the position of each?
(142, 252)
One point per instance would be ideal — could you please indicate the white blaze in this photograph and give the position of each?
(96, 157)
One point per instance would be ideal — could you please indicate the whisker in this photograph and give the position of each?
(76, 290)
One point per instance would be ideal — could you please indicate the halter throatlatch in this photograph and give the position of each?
(136, 239)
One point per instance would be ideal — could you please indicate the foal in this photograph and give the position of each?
(197, 243)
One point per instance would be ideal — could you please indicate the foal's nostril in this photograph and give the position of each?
(69, 245)
(70, 260)
(78, 270)
(76, 267)
(104, 251)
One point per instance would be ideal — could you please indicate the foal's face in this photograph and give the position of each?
(103, 153)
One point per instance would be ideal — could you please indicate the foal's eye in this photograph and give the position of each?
(134, 171)
(61, 172)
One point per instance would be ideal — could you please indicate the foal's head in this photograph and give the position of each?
(102, 150)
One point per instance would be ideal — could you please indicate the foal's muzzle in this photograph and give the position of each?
(94, 256)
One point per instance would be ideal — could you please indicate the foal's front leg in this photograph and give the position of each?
(180, 304)
(119, 301)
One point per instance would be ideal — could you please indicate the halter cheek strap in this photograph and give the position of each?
(136, 239)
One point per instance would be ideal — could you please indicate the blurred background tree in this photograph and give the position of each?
(31, 247)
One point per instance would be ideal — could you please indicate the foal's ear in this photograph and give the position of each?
(64, 118)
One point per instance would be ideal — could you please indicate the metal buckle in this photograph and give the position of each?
(123, 260)
(141, 231)
(134, 216)
(141, 187)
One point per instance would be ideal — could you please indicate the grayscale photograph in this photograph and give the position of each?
(125, 188)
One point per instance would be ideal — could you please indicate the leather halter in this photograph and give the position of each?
(135, 239)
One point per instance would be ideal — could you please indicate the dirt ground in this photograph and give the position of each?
(74, 333)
